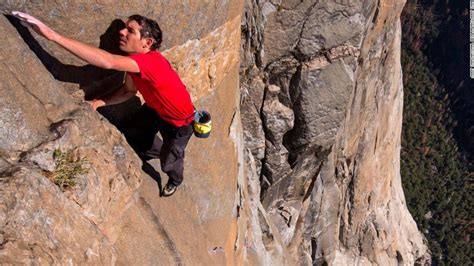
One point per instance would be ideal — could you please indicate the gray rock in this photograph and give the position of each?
(328, 24)
(337, 169)
(277, 118)
(320, 99)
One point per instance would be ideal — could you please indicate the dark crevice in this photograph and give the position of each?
(399, 258)
(290, 137)
(265, 183)
(341, 231)
(376, 14)
(313, 181)
(314, 248)
(351, 192)
(253, 40)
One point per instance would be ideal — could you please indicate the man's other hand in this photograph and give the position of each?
(35, 24)
(96, 103)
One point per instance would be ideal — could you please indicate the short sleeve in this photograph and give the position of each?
(144, 64)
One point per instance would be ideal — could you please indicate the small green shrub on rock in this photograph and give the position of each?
(68, 168)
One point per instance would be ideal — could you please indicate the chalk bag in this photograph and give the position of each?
(202, 124)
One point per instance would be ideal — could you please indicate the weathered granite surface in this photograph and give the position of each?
(114, 214)
(329, 184)
(310, 176)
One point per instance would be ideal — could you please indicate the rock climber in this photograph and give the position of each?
(168, 107)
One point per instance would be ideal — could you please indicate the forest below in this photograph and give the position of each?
(438, 132)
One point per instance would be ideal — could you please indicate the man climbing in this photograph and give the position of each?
(168, 107)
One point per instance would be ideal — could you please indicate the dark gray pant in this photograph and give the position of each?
(141, 134)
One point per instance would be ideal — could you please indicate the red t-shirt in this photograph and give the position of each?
(162, 89)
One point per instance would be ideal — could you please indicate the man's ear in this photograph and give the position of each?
(149, 42)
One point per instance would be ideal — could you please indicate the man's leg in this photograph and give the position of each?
(154, 151)
(172, 152)
(141, 133)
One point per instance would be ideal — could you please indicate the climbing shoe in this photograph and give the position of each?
(169, 190)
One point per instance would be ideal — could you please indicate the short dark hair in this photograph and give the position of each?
(149, 29)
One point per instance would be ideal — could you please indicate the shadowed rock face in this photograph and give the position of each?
(317, 179)
(329, 190)
(39, 223)
(114, 214)
(178, 19)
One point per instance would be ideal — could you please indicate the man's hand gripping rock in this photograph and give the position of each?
(34, 23)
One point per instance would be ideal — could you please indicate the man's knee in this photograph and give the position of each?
(166, 167)
(171, 163)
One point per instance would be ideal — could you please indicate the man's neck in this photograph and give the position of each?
(140, 52)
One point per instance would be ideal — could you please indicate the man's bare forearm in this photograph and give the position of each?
(90, 54)
(96, 56)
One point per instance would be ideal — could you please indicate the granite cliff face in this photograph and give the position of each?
(311, 174)
(115, 215)
(321, 102)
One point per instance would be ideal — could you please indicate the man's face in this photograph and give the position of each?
(130, 39)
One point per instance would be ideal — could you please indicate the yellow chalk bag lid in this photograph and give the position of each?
(202, 124)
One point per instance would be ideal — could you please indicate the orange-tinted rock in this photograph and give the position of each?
(128, 224)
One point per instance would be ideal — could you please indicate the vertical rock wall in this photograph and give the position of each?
(324, 182)
(114, 215)
(39, 223)
(317, 181)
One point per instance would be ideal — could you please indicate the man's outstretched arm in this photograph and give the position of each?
(91, 55)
